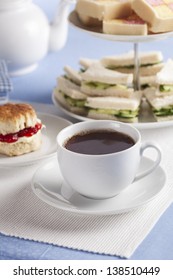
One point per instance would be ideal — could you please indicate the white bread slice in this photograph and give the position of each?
(163, 119)
(151, 70)
(157, 92)
(116, 91)
(145, 70)
(22, 147)
(117, 103)
(99, 116)
(89, 21)
(100, 10)
(158, 14)
(127, 59)
(86, 62)
(72, 74)
(59, 97)
(165, 76)
(132, 25)
(98, 73)
(148, 80)
(158, 102)
(69, 88)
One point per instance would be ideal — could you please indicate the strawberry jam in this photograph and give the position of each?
(26, 132)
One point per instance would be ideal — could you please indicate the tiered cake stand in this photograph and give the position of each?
(146, 120)
(96, 31)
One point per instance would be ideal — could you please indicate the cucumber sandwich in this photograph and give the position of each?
(160, 98)
(115, 108)
(150, 63)
(99, 81)
(68, 93)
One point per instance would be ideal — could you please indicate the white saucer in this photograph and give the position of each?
(48, 185)
(48, 148)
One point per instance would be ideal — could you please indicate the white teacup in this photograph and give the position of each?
(103, 176)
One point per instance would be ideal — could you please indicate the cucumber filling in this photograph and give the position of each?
(99, 85)
(113, 67)
(166, 88)
(118, 113)
(163, 111)
(74, 102)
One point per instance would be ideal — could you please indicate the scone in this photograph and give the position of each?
(20, 129)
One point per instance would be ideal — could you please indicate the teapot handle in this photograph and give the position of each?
(59, 25)
(63, 6)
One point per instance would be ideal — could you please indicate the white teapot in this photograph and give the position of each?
(26, 36)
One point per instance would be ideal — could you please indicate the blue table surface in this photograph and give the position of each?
(37, 87)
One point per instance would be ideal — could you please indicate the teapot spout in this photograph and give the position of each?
(59, 26)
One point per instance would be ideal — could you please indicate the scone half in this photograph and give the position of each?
(20, 129)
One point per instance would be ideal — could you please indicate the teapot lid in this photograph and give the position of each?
(7, 4)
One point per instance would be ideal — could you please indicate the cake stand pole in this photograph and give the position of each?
(136, 67)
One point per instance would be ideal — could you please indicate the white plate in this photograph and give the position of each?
(97, 31)
(48, 148)
(48, 185)
(146, 119)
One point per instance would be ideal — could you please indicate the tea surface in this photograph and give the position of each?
(99, 142)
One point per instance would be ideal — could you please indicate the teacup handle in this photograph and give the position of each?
(144, 146)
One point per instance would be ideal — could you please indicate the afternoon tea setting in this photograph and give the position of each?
(86, 130)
